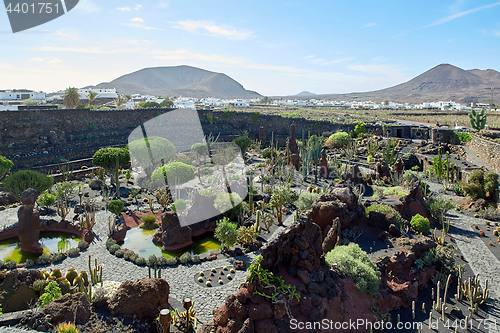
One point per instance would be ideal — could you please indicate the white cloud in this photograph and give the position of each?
(137, 7)
(90, 50)
(137, 19)
(53, 61)
(369, 25)
(124, 9)
(163, 5)
(37, 59)
(65, 35)
(87, 7)
(211, 29)
(324, 62)
(452, 17)
(137, 25)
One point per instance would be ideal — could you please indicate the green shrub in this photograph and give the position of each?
(175, 172)
(226, 201)
(464, 136)
(306, 199)
(267, 153)
(116, 207)
(110, 242)
(357, 265)
(113, 248)
(199, 148)
(65, 190)
(5, 166)
(384, 209)
(52, 292)
(152, 260)
(243, 142)
(127, 255)
(179, 206)
(149, 219)
(359, 129)
(172, 261)
(140, 261)
(438, 206)
(46, 199)
(185, 258)
(226, 232)
(119, 253)
(74, 252)
(420, 224)
(339, 139)
(161, 260)
(82, 245)
(19, 181)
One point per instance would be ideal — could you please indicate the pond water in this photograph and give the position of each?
(10, 249)
(139, 241)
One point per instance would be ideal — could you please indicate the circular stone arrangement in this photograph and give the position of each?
(215, 276)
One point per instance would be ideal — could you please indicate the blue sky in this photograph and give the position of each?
(272, 47)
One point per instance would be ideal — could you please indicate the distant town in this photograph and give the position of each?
(109, 98)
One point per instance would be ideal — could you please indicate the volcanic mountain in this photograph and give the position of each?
(179, 81)
(441, 83)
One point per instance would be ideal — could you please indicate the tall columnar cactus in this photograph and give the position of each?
(477, 119)
(472, 290)
(95, 273)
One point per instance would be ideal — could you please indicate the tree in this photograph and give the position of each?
(266, 100)
(243, 142)
(149, 152)
(167, 103)
(120, 101)
(128, 97)
(92, 96)
(71, 98)
(112, 159)
(30, 102)
(147, 105)
(19, 181)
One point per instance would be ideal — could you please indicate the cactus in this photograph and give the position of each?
(45, 275)
(157, 272)
(471, 289)
(477, 120)
(95, 273)
(84, 276)
(256, 227)
(56, 273)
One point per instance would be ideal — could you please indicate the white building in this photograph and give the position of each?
(101, 93)
(18, 95)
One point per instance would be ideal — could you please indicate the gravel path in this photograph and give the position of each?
(181, 278)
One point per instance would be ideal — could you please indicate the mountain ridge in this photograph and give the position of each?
(179, 81)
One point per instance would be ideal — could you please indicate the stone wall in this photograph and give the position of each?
(36, 137)
(486, 150)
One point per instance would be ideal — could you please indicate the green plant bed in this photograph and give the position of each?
(10, 249)
(139, 241)
(391, 191)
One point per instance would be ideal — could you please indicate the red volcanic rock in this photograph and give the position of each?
(234, 308)
(171, 234)
(265, 326)
(221, 316)
(239, 265)
(242, 295)
(259, 311)
(67, 308)
(140, 299)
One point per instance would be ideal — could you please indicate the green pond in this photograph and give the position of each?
(139, 241)
(10, 249)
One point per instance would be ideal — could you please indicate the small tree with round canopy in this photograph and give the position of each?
(112, 159)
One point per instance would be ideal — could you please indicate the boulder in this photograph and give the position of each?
(239, 265)
(95, 184)
(171, 234)
(16, 291)
(67, 308)
(140, 299)
(332, 236)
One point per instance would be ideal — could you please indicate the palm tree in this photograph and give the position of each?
(71, 98)
(120, 101)
(92, 96)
